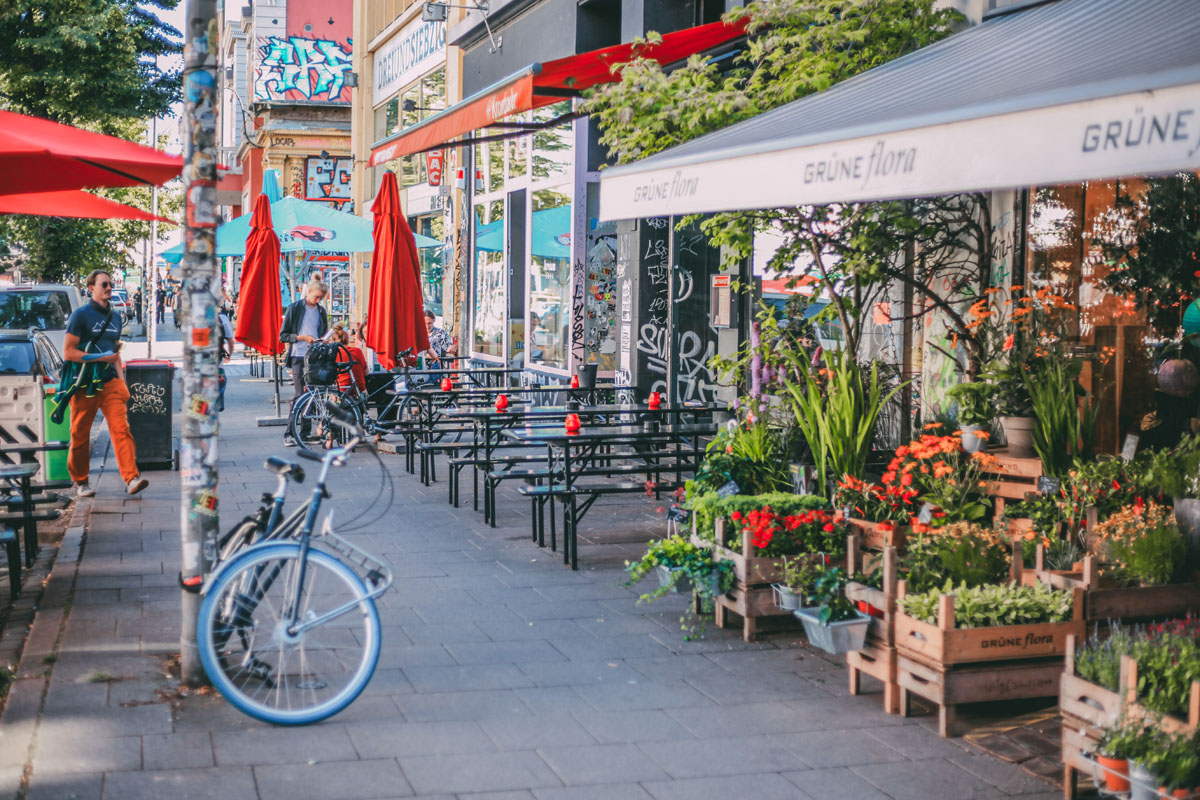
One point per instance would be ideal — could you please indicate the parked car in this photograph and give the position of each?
(120, 301)
(29, 352)
(46, 306)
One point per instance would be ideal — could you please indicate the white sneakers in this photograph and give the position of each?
(137, 484)
(84, 490)
(134, 486)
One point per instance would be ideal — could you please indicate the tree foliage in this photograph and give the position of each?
(853, 252)
(94, 64)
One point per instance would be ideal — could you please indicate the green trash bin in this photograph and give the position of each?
(56, 460)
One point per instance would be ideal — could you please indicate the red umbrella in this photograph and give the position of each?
(37, 155)
(395, 310)
(72, 203)
(260, 309)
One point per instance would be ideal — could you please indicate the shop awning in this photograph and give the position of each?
(1061, 92)
(545, 84)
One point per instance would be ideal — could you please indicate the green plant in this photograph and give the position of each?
(1009, 392)
(799, 573)
(1062, 554)
(993, 605)
(751, 455)
(1141, 544)
(1063, 431)
(1098, 660)
(1168, 658)
(1174, 472)
(1176, 762)
(960, 553)
(1045, 510)
(1131, 737)
(837, 408)
(684, 560)
(828, 593)
(974, 399)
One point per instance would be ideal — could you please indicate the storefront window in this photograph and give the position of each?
(552, 146)
(550, 277)
(431, 258)
(518, 156)
(419, 101)
(491, 296)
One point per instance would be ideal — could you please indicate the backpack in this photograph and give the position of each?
(320, 364)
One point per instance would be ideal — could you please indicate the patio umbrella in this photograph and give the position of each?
(72, 203)
(395, 310)
(302, 226)
(260, 310)
(37, 155)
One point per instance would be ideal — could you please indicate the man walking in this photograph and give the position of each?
(304, 322)
(93, 341)
(137, 305)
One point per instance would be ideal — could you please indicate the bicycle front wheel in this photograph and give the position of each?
(256, 658)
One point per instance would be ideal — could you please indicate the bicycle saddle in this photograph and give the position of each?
(279, 466)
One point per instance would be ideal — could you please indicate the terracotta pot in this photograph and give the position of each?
(1180, 794)
(970, 442)
(1018, 432)
(1115, 773)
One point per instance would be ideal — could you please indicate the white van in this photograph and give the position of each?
(47, 306)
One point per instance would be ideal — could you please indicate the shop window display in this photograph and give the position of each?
(491, 294)
(548, 334)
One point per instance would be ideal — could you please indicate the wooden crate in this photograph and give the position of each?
(878, 656)
(877, 535)
(1127, 603)
(753, 605)
(950, 685)
(944, 645)
(1013, 478)
(1087, 708)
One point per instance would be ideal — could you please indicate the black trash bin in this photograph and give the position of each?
(587, 375)
(151, 401)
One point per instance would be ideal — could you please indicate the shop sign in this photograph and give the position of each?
(418, 48)
(1141, 133)
(433, 165)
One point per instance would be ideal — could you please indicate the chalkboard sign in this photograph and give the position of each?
(729, 489)
(678, 513)
(1048, 485)
(150, 402)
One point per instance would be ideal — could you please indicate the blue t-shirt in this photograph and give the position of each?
(85, 323)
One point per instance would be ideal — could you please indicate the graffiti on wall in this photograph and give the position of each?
(298, 68)
(328, 181)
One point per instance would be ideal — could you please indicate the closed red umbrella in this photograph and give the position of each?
(395, 310)
(260, 309)
(72, 203)
(37, 155)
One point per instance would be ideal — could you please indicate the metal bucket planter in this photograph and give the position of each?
(836, 637)
(1018, 432)
(1187, 514)
(785, 598)
(970, 442)
(1143, 783)
(684, 585)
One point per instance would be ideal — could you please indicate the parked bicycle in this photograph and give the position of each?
(288, 631)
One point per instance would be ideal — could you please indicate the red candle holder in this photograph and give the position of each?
(502, 402)
(447, 384)
(574, 381)
(655, 400)
(572, 423)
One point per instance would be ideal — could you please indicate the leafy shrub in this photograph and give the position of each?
(1141, 544)
(752, 455)
(994, 605)
(708, 506)
(961, 553)
(1168, 657)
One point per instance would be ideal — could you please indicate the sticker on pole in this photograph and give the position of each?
(201, 337)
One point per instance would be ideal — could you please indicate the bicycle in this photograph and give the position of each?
(288, 631)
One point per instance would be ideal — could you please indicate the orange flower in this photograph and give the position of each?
(982, 435)
(1008, 341)
(1030, 534)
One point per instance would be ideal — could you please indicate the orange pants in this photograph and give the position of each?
(112, 400)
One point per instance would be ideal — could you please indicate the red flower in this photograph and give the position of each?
(828, 527)
(737, 515)
(906, 479)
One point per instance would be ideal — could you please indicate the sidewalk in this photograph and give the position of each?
(503, 674)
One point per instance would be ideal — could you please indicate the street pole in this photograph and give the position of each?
(198, 454)
(151, 323)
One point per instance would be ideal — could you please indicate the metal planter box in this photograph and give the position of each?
(836, 637)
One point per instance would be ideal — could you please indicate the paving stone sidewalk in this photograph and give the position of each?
(503, 674)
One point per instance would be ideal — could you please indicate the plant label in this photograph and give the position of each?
(678, 513)
(1048, 485)
(729, 489)
(1129, 447)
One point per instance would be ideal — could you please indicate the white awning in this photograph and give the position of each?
(1068, 91)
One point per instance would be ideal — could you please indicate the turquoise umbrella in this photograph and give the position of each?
(270, 186)
(302, 226)
(1191, 318)
(551, 234)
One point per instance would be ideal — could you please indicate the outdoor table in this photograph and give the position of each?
(20, 477)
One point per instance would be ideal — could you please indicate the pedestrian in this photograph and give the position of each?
(224, 353)
(352, 362)
(177, 309)
(440, 343)
(160, 306)
(93, 343)
(137, 304)
(304, 322)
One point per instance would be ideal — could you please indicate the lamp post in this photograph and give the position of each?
(198, 453)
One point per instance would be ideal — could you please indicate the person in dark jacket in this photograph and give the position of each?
(304, 322)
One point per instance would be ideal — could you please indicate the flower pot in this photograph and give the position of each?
(685, 585)
(836, 637)
(1187, 515)
(870, 610)
(1114, 773)
(785, 598)
(1018, 432)
(972, 443)
(1143, 782)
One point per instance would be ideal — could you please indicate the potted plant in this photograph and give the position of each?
(680, 566)
(1013, 406)
(1112, 759)
(1175, 473)
(974, 399)
(1177, 766)
(1141, 546)
(1064, 430)
(798, 575)
(830, 620)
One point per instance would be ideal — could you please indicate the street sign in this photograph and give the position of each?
(433, 164)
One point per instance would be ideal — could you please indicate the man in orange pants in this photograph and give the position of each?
(93, 337)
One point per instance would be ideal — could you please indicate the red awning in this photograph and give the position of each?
(545, 84)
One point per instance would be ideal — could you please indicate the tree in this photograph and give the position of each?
(854, 252)
(93, 64)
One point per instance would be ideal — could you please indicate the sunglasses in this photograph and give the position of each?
(103, 284)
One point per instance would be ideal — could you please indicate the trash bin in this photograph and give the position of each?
(56, 460)
(151, 385)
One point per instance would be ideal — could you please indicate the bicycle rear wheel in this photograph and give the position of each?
(269, 672)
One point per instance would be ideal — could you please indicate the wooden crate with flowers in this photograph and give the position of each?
(873, 589)
(765, 538)
(1145, 677)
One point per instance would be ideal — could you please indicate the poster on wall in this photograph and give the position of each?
(327, 180)
(310, 60)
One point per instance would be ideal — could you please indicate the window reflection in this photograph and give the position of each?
(550, 277)
(490, 288)
(433, 226)
(552, 146)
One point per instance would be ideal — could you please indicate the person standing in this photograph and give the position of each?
(93, 342)
(304, 322)
(440, 343)
(137, 304)
(224, 353)
(160, 305)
